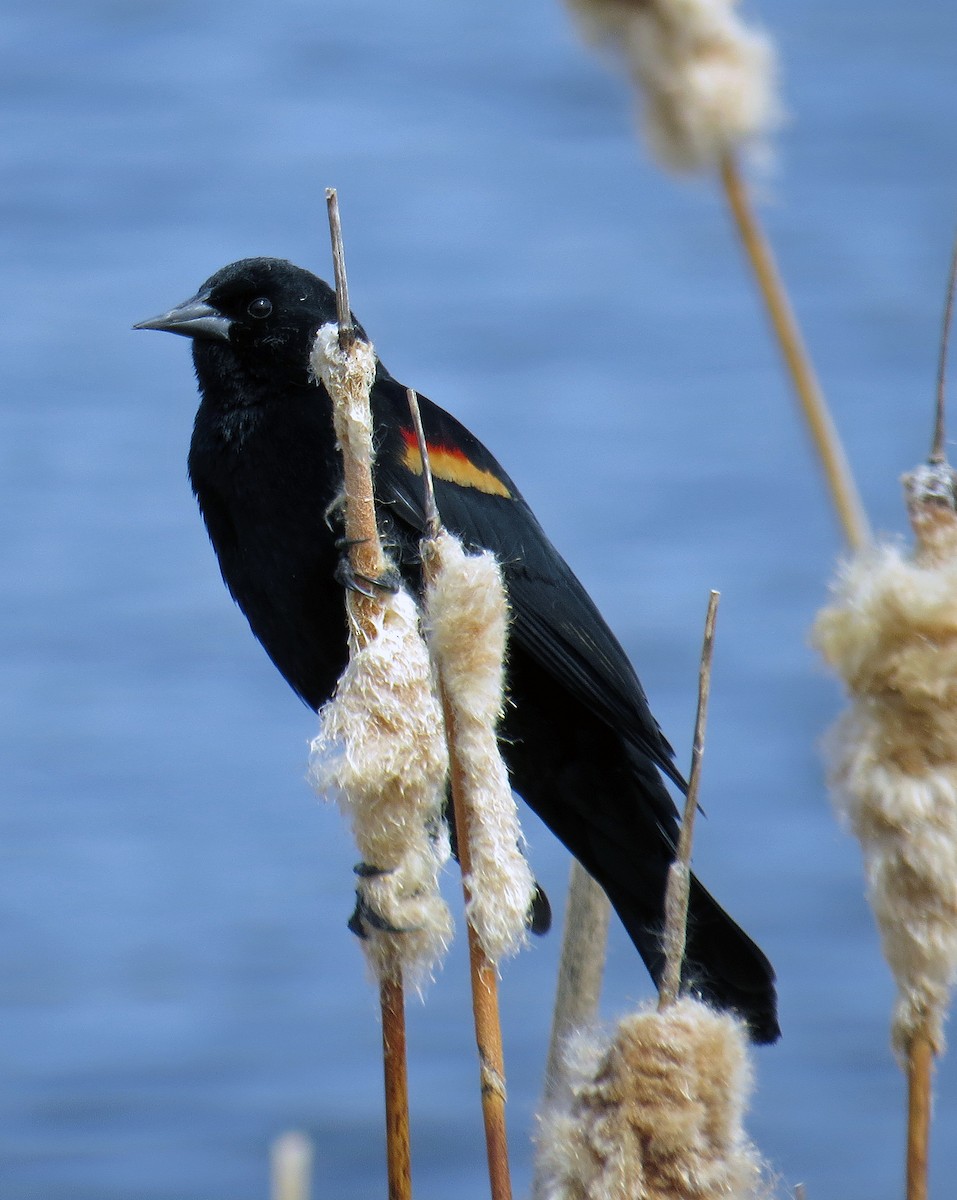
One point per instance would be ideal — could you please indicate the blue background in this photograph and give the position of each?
(176, 982)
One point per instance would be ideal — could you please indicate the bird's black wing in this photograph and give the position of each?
(553, 618)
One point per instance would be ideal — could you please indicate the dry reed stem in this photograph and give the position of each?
(824, 435)
(679, 876)
(483, 974)
(488, 1026)
(367, 558)
(396, 1080)
(361, 527)
(584, 942)
(920, 1077)
(938, 450)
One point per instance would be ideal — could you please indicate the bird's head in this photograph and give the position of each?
(266, 310)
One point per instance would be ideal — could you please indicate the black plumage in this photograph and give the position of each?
(581, 744)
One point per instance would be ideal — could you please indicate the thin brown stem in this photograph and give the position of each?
(920, 1075)
(433, 522)
(347, 332)
(366, 556)
(679, 878)
(398, 1154)
(484, 976)
(368, 559)
(584, 941)
(938, 451)
(823, 432)
(484, 979)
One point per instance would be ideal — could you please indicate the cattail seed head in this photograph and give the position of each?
(706, 79)
(466, 621)
(381, 752)
(891, 633)
(655, 1113)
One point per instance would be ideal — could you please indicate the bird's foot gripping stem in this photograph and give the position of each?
(365, 917)
(389, 581)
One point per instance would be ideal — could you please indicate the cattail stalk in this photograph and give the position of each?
(395, 1073)
(679, 875)
(920, 1087)
(824, 435)
(365, 617)
(581, 962)
(892, 635)
(437, 557)
(655, 1112)
(485, 1007)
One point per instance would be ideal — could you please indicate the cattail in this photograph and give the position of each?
(891, 633)
(467, 619)
(654, 1113)
(892, 636)
(707, 79)
(381, 746)
(381, 752)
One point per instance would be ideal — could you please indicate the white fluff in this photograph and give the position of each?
(347, 376)
(891, 633)
(381, 745)
(707, 79)
(655, 1112)
(381, 752)
(467, 619)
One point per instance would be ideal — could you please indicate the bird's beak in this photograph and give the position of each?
(193, 318)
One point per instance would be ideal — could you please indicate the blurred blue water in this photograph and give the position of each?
(176, 982)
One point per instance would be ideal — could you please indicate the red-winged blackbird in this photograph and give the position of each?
(579, 739)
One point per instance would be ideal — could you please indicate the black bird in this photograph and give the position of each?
(581, 744)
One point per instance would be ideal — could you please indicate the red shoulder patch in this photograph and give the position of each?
(452, 465)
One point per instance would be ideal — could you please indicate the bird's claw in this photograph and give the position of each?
(370, 871)
(364, 918)
(538, 919)
(363, 585)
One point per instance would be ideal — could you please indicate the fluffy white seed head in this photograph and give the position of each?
(707, 80)
(467, 620)
(891, 634)
(655, 1112)
(381, 753)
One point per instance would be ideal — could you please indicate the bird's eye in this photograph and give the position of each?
(261, 307)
